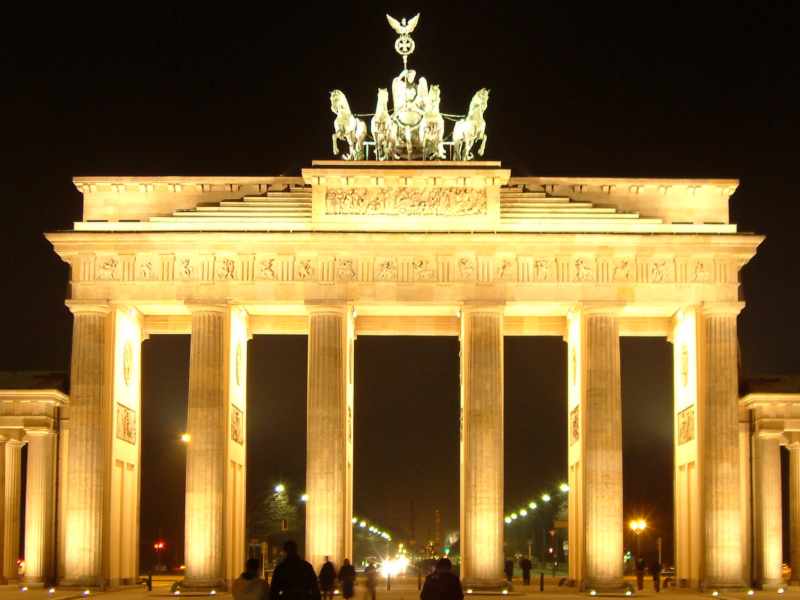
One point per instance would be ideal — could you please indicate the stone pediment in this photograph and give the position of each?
(406, 196)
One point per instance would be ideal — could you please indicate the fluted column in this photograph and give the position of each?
(205, 454)
(768, 519)
(329, 435)
(602, 452)
(482, 447)
(3, 441)
(794, 511)
(13, 502)
(40, 507)
(719, 438)
(89, 445)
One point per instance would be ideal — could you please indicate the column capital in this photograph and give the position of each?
(328, 307)
(483, 307)
(217, 307)
(606, 309)
(83, 307)
(721, 308)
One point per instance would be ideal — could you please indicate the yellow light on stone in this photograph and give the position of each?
(304, 498)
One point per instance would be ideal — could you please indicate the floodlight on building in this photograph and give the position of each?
(304, 498)
(212, 593)
(628, 592)
(751, 592)
(781, 590)
(51, 591)
(186, 438)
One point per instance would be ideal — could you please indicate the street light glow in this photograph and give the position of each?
(280, 488)
(564, 487)
(532, 505)
(523, 512)
(186, 438)
(638, 525)
(514, 516)
(304, 498)
(545, 497)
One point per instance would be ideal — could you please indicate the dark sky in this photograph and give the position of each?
(645, 89)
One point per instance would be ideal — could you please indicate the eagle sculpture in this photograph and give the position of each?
(403, 27)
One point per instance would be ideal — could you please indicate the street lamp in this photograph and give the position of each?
(638, 526)
(280, 488)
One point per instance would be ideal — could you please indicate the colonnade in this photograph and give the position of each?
(100, 546)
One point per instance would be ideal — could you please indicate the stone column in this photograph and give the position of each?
(719, 440)
(482, 447)
(602, 452)
(794, 511)
(88, 445)
(329, 435)
(206, 452)
(40, 507)
(13, 501)
(768, 512)
(3, 441)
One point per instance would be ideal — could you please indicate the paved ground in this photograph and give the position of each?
(401, 591)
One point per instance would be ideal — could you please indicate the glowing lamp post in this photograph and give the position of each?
(638, 526)
(159, 548)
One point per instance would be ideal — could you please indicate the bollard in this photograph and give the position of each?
(149, 582)
(541, 581)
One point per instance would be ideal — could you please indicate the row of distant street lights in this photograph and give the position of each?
(533, 505)
(357, 522)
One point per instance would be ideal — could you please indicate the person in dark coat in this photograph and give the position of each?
(640, 568)
(372, 581)
(509, 569)
(525, 565)
(655, 571)
(347, 579)
(294, 578)
(327, 579)
(442, 584)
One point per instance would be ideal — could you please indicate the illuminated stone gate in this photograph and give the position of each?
(439, 248)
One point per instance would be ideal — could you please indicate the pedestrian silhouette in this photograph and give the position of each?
(327, 579)
(372, 581)
(442, 584)
(249, 585)
(347, 579)
(294, 578)
(509, 569)
(640, 568)
(525, 565)
(655, 571)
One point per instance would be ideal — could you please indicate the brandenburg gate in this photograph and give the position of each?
(355, 248)
(409, 243)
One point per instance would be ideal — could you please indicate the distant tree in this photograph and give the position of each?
(274, 513)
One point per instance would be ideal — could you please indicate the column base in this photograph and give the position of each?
(770, 584)
(86, 583)
(605, 586)
(727, 586)
(203, 585)
(486, 586)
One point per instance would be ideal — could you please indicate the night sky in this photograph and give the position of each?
(607, 89)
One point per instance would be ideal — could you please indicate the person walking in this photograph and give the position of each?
(509, 569)
(294, 578)
(372, 581)
(655, 571)
(249, 585)
(640, 568)
(525, 565)
(442, 584)
(327, 579)
(347, 579)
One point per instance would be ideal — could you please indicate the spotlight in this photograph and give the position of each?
(505, 592)
(280, 488)
(781, 590)
(628, 593)
(715, 593)
(593, 593)
(212, 593)
(469, 590)
(750, 592)
(24, 588)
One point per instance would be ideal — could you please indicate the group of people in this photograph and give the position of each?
(295, 579)
(655, 571)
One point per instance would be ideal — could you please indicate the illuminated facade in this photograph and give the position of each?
(404, 248)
